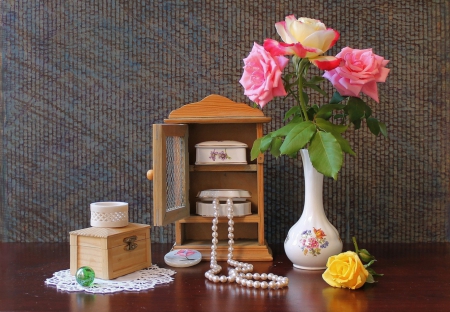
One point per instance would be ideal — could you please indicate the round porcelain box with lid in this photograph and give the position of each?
(220, 152)
(241, 207)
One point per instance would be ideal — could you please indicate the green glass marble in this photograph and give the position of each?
(85, 276)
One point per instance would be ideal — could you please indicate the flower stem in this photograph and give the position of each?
(300, 71)
(355, 244)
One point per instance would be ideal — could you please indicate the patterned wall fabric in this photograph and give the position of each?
(83, 82)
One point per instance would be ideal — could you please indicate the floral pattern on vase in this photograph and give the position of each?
(311, 242)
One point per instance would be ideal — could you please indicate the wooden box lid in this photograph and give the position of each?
(106, 238)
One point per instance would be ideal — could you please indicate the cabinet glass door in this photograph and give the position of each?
(171, 173)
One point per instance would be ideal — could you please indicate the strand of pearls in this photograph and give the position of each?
(241, 273)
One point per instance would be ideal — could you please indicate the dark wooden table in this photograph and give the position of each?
(417, 278)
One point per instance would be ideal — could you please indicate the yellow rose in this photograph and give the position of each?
(345, 271)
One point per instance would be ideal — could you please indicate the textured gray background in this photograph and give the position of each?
(83, 81)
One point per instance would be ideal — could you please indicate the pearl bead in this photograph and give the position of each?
(241, 274)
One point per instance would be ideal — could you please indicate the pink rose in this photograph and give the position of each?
(360, 70)
(262, 75)
(306, 38)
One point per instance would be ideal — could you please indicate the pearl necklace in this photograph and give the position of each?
(241, 273)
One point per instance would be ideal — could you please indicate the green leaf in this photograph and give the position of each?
(329, 126)
(337, 98)
(292, 111)
(373, 273)
(370, 279)
(298, 137)
(254, 153)
(265, 143)
(357, 109)
(316, 80)
(373, 125)
(366, 258)
(311, 112)
(326, 110)
(326, 154)
(345, 146)
(316, 88)
(275, 148)
(383, 129)
(283, 131)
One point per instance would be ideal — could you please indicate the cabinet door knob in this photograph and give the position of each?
(150, 174)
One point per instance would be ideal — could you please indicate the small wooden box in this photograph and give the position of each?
(111, 252)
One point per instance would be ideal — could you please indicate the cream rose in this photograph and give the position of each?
(307, 38)
(345, 271)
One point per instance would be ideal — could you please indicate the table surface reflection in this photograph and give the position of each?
(416, 278)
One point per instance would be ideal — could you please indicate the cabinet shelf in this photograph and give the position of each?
(238, 168)
(244, 249)
(253, 218)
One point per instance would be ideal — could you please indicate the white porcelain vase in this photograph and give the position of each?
(313, 239)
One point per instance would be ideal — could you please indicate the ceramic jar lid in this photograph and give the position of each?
(224, 194)
(209, 144)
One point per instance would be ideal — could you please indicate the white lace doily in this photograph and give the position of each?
(137, 281)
